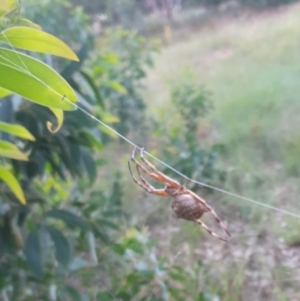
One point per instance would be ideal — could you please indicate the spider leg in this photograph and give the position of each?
(213, 212)
(209, 231)
(151, 175)
(143, 179)
(146, 186)
(210, 209)
(137, 182)
(159, 176)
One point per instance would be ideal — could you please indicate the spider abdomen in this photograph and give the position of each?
(186, 207)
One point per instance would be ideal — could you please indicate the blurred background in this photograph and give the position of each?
(210, 87)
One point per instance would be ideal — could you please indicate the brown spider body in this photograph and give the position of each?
(186, 204)
(187, 208)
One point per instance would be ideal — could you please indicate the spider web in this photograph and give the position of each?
(251, 253)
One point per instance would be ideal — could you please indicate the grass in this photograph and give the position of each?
(251, 65)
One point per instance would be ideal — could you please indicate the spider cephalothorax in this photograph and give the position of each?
(186, 204)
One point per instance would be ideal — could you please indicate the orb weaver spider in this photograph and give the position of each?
(186, 204)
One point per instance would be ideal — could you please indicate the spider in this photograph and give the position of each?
(186, 204)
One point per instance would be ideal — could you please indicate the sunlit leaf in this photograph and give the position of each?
(59, 114)
(107, 131)
(28, 23)
(4, 92)
(62, 245)
(36, 40)
(68, 217)
(32, 251)
(40, 83)
(16, 130)
(13, 184)
(108, 117)
(9, 150)
(111, 58)
(117, 87)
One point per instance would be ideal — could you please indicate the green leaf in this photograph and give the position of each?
(107, 131)
(72, 292)
(178, 277)
(16, 130)
(111, 58)
(117, 87)
(28, 23)
(68, 217)
(108, 117)
(4, 92)
(13, 184)
(32, 251)
(104, 296)
(62, 246)
(89, 164)
(59, 114)
(108, 223)
(73, 67)
(36, 40)
(92, 85)
(9, 150)
(34, 80)
(134, 245)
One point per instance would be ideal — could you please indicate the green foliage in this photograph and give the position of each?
(119, 69)
(40, 83)
(75, 238)
(190, 104)
(191, 100)
(59, 18)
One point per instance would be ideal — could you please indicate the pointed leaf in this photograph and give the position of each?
(107, 131)
(117, 87)
(9, 150)
(59, 114)
(32, 251)
(16, 130)
(36, 40)
(28, 23)
(40, 83)
(73, 67)
(71, 219)
(108, 117)
(89, 164)
(13, 184)
(108, 223)
(62, 246)
(92, 85)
